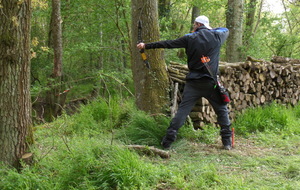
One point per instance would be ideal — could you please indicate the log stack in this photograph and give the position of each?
(250, 83)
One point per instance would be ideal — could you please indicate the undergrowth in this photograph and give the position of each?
(89, 151)
(273, 118)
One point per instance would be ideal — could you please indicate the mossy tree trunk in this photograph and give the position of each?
(250, 20)
(151, 85)
(15, 103)
(234, 22)
(164, 8)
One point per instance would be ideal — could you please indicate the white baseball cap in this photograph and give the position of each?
(203, 20)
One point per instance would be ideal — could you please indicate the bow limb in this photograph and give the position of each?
(140, 40)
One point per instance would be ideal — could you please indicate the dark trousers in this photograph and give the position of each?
(193, 90)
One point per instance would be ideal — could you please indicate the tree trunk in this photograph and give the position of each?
(55, 98)
(258, 17)
(250, 20)
(164, 8)
(151, 85)
(57, 38)
(195, 14)
(234, 22)
(249, 27)
(15, 103)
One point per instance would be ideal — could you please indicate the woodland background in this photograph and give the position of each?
(97, 35)
(87, 90)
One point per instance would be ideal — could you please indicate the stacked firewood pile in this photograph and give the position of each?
(250, 83)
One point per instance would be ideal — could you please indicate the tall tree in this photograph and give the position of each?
(151, 85)
(55, 98)
(15, 103)
(164, 7)
(250, 20)
(234, 22)
(195, 13)
(57, 38)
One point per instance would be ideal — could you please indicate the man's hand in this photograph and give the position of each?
(141, 46)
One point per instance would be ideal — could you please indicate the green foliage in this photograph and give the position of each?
(98, 165)
(274, 117)
(187, 176)
(99, 116)
(208, 134)
(27, 180)
(149, 130)
(115, 83)
(144, 129)
(89, 163)
(95, 37)
(275, 36)
(292, 171)
(296, 110)
(100, 27)
(88, 151)
(122, 169)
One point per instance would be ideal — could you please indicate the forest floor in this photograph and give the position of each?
(251, 164)
(88, 150)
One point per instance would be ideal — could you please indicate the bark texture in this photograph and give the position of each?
(151, 85)
(195, 14)
(15, 103)
(250, 19)
(234, 22)
(56, 96)
(57, 38)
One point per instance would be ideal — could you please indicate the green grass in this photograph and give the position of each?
(87, 151)
(271, 118)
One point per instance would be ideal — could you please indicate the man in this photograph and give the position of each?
(204, 41)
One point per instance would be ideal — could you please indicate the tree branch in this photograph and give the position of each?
(150, 150)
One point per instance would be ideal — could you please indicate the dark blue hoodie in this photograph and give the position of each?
(202, 42)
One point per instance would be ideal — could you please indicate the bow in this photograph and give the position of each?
(140, 40)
